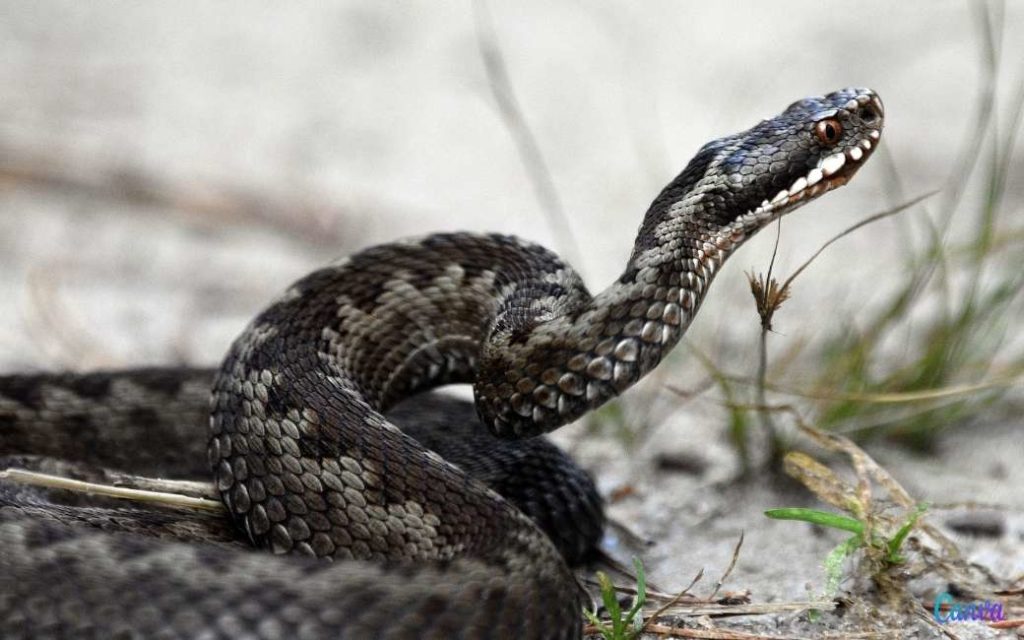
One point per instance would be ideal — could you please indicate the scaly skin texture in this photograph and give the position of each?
(307, 463)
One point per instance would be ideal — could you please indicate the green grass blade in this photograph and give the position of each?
(814, 516)
(894, 544)
(641, 597)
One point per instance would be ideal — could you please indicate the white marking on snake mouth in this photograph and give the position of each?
(827, 175)
(833, 163)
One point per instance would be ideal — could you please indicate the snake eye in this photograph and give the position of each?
(828, 131)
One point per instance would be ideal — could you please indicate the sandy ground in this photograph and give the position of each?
(167, 168)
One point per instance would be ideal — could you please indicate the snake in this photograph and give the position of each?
(381, 522)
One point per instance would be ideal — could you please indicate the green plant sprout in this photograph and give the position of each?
(622, 625)
(888, 549)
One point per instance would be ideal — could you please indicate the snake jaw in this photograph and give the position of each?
(833, 170)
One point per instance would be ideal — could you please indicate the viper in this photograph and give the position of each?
(385, 521)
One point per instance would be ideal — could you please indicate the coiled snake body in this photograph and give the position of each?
(306, 461)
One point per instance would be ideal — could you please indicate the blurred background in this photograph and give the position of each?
(167, 168)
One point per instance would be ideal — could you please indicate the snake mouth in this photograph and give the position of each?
(832, 171)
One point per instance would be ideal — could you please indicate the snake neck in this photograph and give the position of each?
(544, 364)
(543, 367)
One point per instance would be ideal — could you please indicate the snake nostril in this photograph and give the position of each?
(868, 113)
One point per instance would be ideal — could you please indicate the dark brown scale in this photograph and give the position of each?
(307, 462)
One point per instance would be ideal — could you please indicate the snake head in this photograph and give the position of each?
(752, 177)
(814, 146)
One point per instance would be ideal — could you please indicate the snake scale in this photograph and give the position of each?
(304, 444)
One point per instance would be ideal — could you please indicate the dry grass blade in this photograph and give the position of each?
(55, 329)
(821, 481)
(728, 570)
(710, 634)
(866, 221)
(672, 602)
(526, 142)
(1016, 623)
(163, 498)
(769, 294)
(931, 622)
(727, 634)
(864, 465)
(901, 397)
(947, 561)
(701, 610)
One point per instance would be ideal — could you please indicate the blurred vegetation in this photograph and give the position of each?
(949, 323)
(943, 344)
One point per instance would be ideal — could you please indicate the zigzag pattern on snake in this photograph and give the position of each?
(310, 466)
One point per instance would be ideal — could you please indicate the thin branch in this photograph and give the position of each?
(849, 230)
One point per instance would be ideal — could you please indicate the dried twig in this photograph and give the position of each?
(671, 603)
(728, 570)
